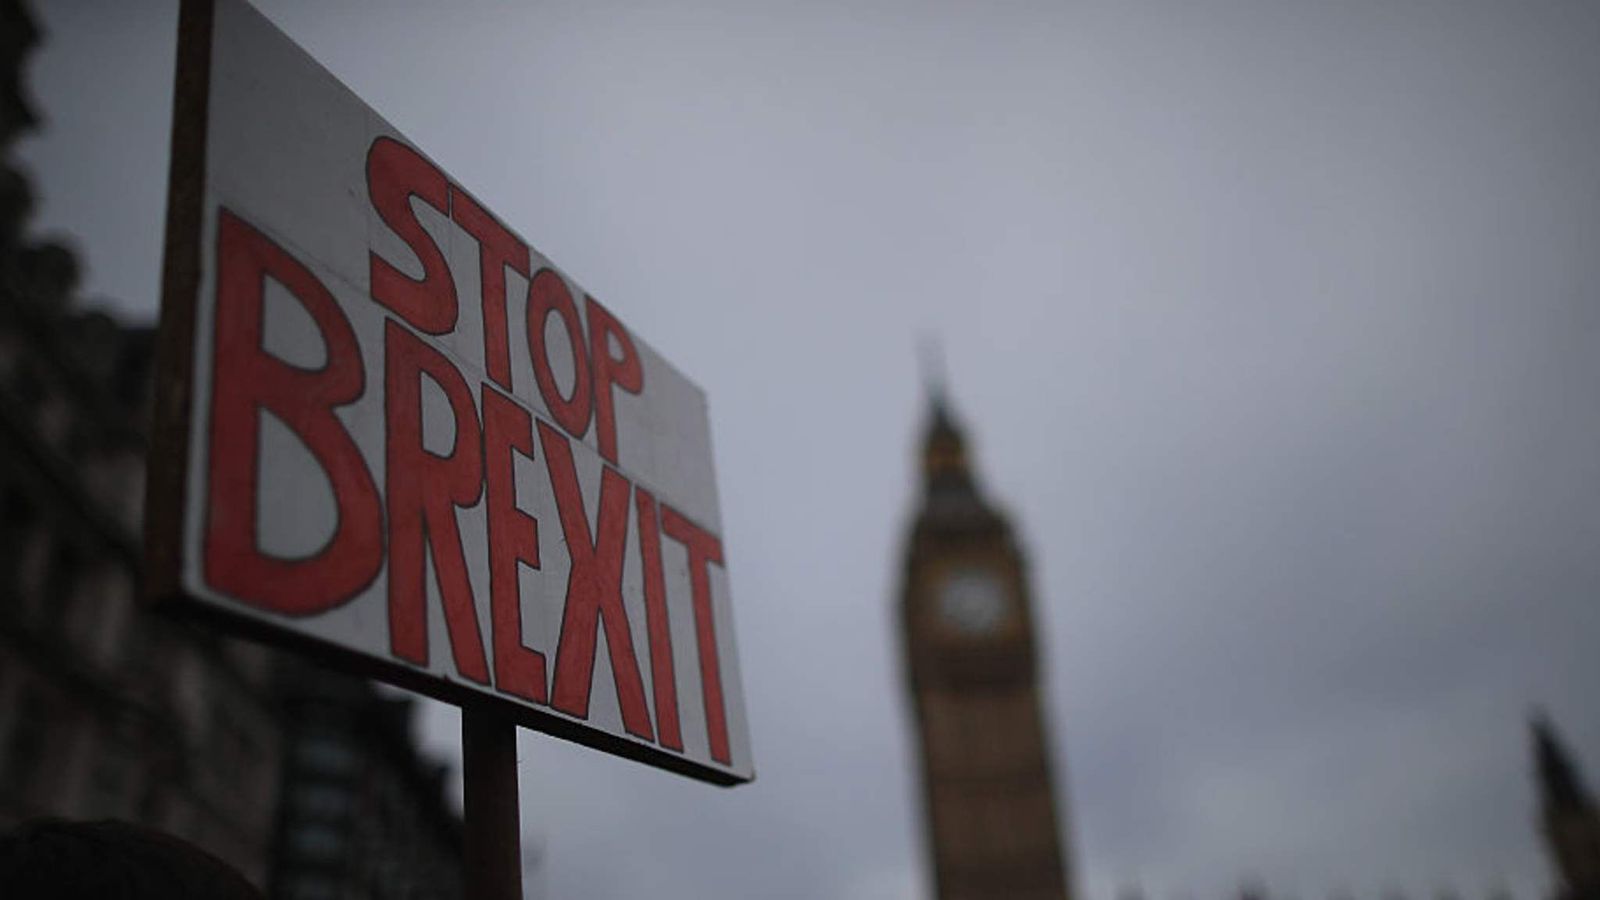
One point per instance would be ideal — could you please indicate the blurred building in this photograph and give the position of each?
(971, 658)
(1568, 817)
(103, 713)
(991, 828)
(108, 711)
(363, 814)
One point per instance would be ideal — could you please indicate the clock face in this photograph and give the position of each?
(973, 600)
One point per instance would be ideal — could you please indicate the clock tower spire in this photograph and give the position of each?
(967, 624)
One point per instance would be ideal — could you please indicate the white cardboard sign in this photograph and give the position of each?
(392, 432)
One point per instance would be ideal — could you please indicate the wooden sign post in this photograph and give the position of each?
(493, 863)
(389, 433)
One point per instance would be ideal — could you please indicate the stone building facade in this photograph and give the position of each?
(103, 712)
(108, 710)
(350, 824)
(971, 658)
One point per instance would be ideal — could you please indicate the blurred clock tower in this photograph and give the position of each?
(971, 658)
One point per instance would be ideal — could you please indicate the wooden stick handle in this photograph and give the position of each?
(492, 855)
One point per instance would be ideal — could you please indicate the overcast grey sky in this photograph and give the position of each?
(1274, 324)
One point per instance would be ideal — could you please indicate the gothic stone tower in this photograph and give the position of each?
(969, 649)
(1568, 816)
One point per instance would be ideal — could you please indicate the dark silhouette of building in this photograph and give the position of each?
(103, 713)
(1568, 817)
(350, 824)
(972, 662)
(302, 780)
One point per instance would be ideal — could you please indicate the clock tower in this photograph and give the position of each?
(988, 799)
